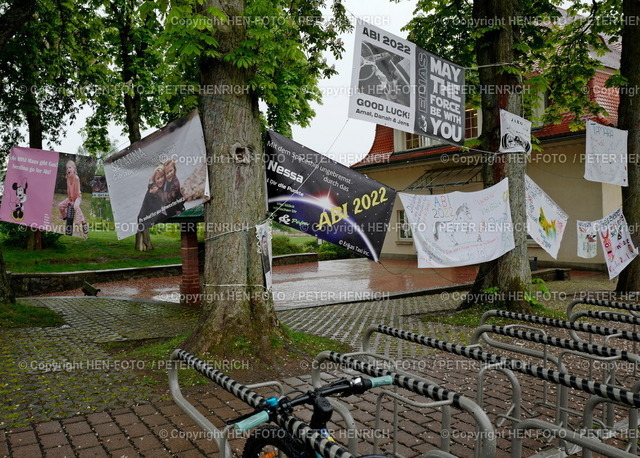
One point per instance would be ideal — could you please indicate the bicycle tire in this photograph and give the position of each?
(270, 439)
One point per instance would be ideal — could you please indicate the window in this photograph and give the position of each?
(404, 228)
(412, 141)
(471, 129)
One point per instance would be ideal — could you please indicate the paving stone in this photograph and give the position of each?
(93, 451)
(53, 440)
(99, 418)
(84, 441)
(125, 453)
(116, 442)
(27, 451)
(49, 427)
(145, 443)
(22, 438)
(59, 452)
(76, 429)
(136, 430)
(107, 429)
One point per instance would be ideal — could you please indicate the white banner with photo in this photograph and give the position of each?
(159, 176)
(546, 221)
(399, 85)
(515, 133)
(606, 155)
(460, 228)
(587, 239)
(263, 232)
(616, 242)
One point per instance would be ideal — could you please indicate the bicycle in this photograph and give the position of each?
(271, 441)
(291, 437)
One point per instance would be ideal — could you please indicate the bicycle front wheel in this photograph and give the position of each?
(272, 442)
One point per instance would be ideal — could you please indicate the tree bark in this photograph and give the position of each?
(511, 272)
(236, 310)
(34, 124)
(14, 18)
(629, 120)
(132, 103)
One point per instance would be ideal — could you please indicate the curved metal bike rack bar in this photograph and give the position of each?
(586, 443)
(485, 442)
(600, 303)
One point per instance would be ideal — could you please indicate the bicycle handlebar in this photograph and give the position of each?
(357, 385)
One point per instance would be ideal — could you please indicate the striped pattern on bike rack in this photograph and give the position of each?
(609, 316)
(611, 304)
(312, 439)
(428, 389)
(567, 344)
(553, 322)
(606, 391)
(237, 389)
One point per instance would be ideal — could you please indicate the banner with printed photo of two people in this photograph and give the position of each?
(316, 195)
(158, 177)
(399, 85)
(49, 191)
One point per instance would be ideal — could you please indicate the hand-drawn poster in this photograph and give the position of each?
(515, 133)
(606, 155)
(461, 228)
(158, 177)
(263, 232)
(587, 239)
(616, 242)
(49, 191)
(316, 195)
(400, 85)
(546, 221)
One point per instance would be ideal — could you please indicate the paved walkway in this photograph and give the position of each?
(65, 396)
(311, 283)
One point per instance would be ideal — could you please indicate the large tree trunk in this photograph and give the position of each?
(510, 273)
(235, 309)
(629, 119)
(34, 124)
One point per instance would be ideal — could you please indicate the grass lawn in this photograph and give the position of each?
(102, 250)
(25, 316)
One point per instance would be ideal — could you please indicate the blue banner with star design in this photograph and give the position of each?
(316, 195)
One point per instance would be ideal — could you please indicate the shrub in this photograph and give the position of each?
(280, 245)
(16, 234)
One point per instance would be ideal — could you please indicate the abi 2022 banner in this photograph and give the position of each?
(399, 85)
(316, 195)
(49, 191)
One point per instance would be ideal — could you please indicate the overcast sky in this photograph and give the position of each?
(356, 138)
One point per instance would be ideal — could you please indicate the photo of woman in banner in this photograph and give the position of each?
(174, 200)
(70, 207)
(152, 211)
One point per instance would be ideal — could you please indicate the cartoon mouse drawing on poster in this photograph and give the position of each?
(19, 200)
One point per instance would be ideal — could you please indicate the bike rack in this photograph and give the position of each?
(295, 427)
(485, 442)
(581, 349)
(587, 443)
(610, 393)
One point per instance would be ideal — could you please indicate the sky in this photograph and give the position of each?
(330, 132)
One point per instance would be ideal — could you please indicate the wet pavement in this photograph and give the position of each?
(313, 283)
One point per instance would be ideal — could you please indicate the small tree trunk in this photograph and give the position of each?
(629, 119)
(143, 241)
(510, 273)
(235, 309)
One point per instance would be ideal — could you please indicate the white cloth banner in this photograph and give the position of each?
(546, 221)
(587, 239)
(158, 177)
(461, 228)
(616, 242)
(515, 133)
(263, 232)
(606, 155)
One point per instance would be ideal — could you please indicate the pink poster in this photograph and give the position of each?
(28, 187)
(49, 191)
